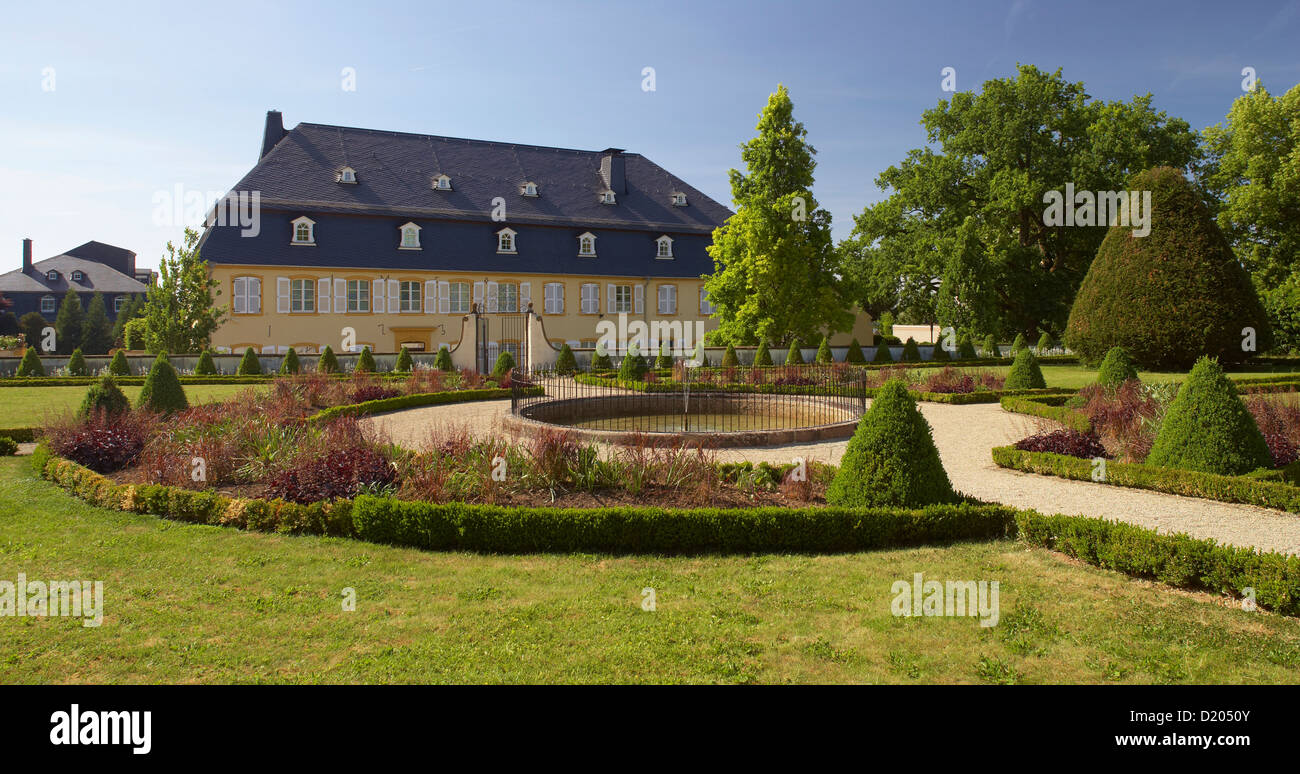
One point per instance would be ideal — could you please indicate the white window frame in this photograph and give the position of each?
(589, 297)
(77, 276)
(119, 303)
(246, 295)
(302, 296)
(583, 250)
(528, 189)
(616, 300)
(358, 296)
(664, 248)
(608, 197)
(346, 175)
(52, 275)
(410, 303)
(667, 299)
(459, 297)
(553, 298)
(506, 292)
(705, 306)
(297, 224)
(51, 302)
(679, 199)
(507, 244)
(442, 183)
(411, 230)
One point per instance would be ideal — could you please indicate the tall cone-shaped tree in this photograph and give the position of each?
(776, 270)
(891, 459)
(96, 330)
(1207, 428)
(1171, 296)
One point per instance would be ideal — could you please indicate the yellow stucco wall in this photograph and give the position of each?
(385, 331)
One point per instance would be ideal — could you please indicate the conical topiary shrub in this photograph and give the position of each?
(1171, 296)
(565, 362)
(729, 359)
(665, 358)
(1117, 368)
(854, 355)
(911, 352)
(991, 346)
(77, 364)
(205, 366)
(104, 396)
(249, 364)
(404, 362)
(31, 364)
(824, 356)
(1018, 344)
(505, 362)
(443, 361)
(883, 355)
(891, 459)
(762, 356)
(162, 391)
(328, 363)
(794, 356)
(939, 353)
(119, 366)
(1045, 343)
(366, 362)
(633, 366)
(1025, 373)
(966, 348)
(1207, 428)
(290, 364)
(600, 359)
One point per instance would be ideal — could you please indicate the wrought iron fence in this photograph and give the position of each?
(695, 400)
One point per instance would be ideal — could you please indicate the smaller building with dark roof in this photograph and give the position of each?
(39, 286)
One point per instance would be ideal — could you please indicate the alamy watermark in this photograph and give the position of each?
(181, 207)
(931, 598)
(1100, 208)
(45, 599)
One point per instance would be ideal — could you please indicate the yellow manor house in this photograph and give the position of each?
(354, 237)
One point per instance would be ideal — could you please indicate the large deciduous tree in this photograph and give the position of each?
(180, 312)
(962, 235)
(776, 270)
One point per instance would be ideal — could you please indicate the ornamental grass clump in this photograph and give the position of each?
(1208, 429)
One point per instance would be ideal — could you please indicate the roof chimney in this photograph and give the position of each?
(613, 171)
(27, 256)
(273, 133)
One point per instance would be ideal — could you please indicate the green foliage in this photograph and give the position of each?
(794, 356)
(180, 309)
(328, 363)
(1044, 343)
(991, 346)
(1117, 368)
(443, 361)
(633, 366)
(68, 324)
(824, 352)
(380, 405)
(1018, 344)
(31, 364)
(762, 355)
(1171, 296)
(854, 354)
(77, 364)
(104, 396)
(205, 366)
(886, 322)
(31, 325)
(939, 352)
(911, 353)
(404, 362)
(600, 360)
(1025, 373)
(665, 359)
(290, 364)
(883, 355)
(729, 359)
(135, 334)
(132, 310)
(162, 391)
(891, 459)
(366, 362)
(249, 364)
(1207, 428)
(8, 446)
(565, 362)
(965, 348)
(96, 330)
(969, 207)
(776, 271)
(505, 362)
(119, 366)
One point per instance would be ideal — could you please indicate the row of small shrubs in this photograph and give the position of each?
(249, 364)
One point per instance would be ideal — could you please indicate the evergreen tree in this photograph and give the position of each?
(119, 366)
(290, 364)
(366, 362)
(162, 391)
(205, 366)
(404, 362)
(104, 396)
(32, 325)
(795, 355)
(77, 364)
(729, 359)
(762, 357)
(249, 364)
(824, 355)
(68, 324)
(96, 330)
(443, 361)
(328, 363)
(31, 364)
(855, 355)
(565, 363)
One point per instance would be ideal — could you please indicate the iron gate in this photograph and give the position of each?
(498, 332)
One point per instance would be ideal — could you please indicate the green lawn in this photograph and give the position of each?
(1076, 376)
(28, 406)
(206, 604)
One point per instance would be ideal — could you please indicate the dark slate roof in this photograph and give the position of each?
(395, 172)
(96, 277)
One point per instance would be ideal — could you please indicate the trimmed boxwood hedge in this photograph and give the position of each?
(1048, 407)
(21, 434)
(418, 399)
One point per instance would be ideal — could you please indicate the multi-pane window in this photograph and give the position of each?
(458, 297)
(358, 295)
(410, 237)
(246, 293)
(507, 297)
(553, 302)
(622, 299)
(706, 307)
(586, 245)
(119, 303)
(512, 347)
(665, 247)
(302, 231)
(667, 299)
(409, 297)
(505, 241)
(591, 299)
(47, 304)
(302, 295)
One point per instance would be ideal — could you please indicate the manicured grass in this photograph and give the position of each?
(29, 406)
(1076, 376)
(206, 604)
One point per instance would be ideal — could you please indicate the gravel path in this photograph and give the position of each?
(964, 435)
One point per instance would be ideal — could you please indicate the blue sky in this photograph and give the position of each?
(150, 96)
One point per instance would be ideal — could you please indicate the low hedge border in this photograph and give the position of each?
(982, 396)
(418, 399)
(1048, 407)
(1189, 483)
(1176, 560)
(20, 434)
(954, 398)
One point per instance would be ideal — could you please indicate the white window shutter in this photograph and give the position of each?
(525, 295)
(394, 297)
(478, 296)
(377, 296)
(323, 292)
(491, 297)
(282, 295)
(254, 295)
(430, 296)
(444, 297)
(340, 295)
(239, 289)
(610, 306)
(638, 299)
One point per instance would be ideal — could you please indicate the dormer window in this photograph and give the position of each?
(77, 276)
(506, 241)
(442, 183)
(607, 197)
(304, 231)
(529, 189)
(52, 275)
(410, 237)
(664, 247)
(679, 199)
(346, 175)
(587, 245)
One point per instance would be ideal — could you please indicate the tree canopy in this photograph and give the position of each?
(180, 311)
